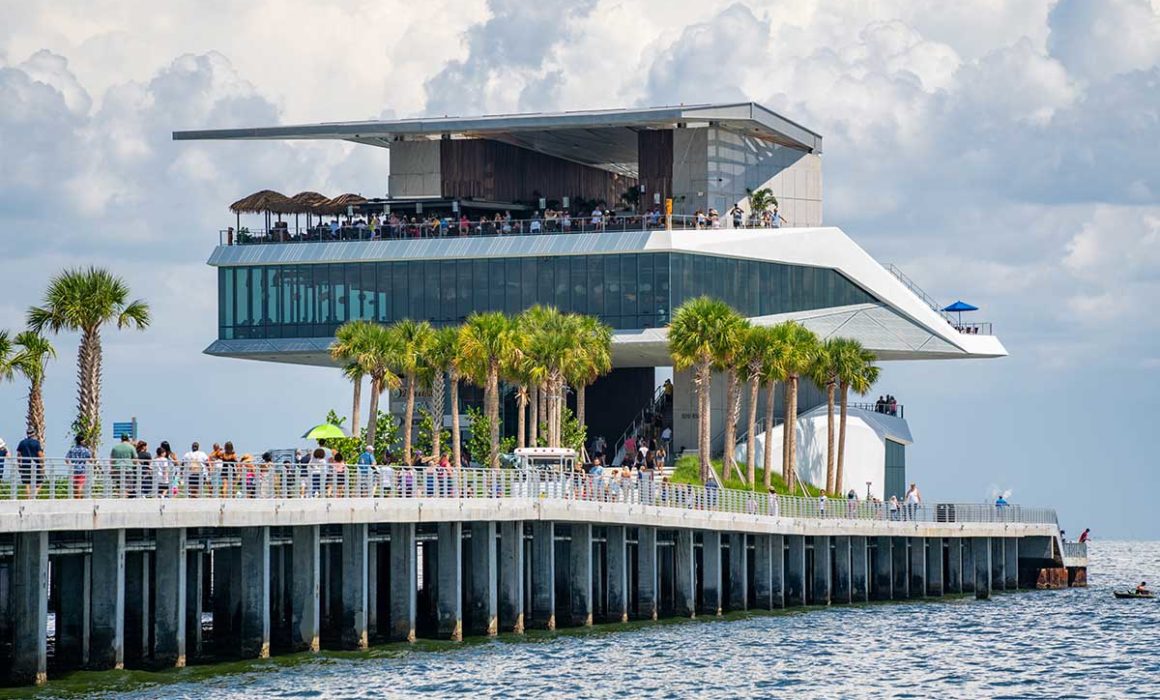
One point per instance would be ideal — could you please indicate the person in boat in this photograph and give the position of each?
(1142, 589)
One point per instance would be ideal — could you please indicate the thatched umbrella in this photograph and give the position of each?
(339, 204)
(265, 201)
(306, 203)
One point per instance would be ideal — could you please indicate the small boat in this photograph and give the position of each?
(1132, 594)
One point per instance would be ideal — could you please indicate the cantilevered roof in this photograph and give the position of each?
(598, 137)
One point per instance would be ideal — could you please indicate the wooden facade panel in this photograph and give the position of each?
(655, 154)
(501, 172)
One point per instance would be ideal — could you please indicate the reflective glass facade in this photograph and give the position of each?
(633, 290)
(895, 470)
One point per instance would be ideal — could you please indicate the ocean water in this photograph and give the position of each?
(1078, 643)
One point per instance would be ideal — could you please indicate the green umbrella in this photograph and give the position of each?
(323, 431)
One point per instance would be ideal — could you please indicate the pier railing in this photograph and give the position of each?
(1075, 550)
(163, 479)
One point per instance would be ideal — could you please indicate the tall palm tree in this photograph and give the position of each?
(35, 351)
(343, 350)
(85, 300)
(801, 346)
(7, 371)
(768, 344)
(484, 341)
(755, 345)
(855, 370)
(437, 364)
(375, 351)
(696, 333)
(596, 359)
(730, 359)
(413, 339)
(823, 373)
(454, 374)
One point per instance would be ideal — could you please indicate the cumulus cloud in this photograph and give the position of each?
(1099, 38)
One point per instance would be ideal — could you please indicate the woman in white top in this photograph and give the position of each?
(913, 501)
(317, 470)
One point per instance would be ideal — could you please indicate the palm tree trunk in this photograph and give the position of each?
(785, 433)
(438, 383)
(732, 410)
(534, 416)
(767, 463)
(492, 393)
(521, 415)
(354, 409)
(842, 437)
(580, 392)
(751, 437)
(791, 422)
(89, 387)
(373, 423)
(36, 410)
(408, 415)
(543, 410)
(704, 437)
(455, 445)
(830, 437)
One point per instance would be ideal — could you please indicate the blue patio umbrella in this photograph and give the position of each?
(959, 307)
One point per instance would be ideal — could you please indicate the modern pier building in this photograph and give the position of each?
(284, 291)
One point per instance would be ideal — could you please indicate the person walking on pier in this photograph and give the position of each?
(120, 468)
(366, 463)
(79, 458)
(194, 461)
(913, 501)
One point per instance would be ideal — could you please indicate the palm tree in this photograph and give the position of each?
(596, 360)
(801, 346)
(343, 350)
(554, 349)
(855, 370)
(35, 351)
(437, 364)
(823, 373)
(753, 351)
(730, 359)
(375, 349)
(761, 200)
(84, 300)
(485, 340)
(769, 346)
(6, 369)
(413, 339)
(696, 334)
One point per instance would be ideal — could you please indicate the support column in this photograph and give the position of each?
(511, 576)
(684, 575)
(353, 631)
(917, 567)
(968, 551)
(107, 636)
(73, 618)
(998, 564)
(795, 571)
(900, 568)
(169, 614)
(30, 609)
(544, 574)
(843, 591)
(194, 595)
(449, 587)
(254, 632)
(646, 572)
(138, 590)
(580, 569)
(404, 582)
(981, 553)
(954, 565)
(859, 571)
(482, 613)
(711, 572)
(777, 566)
(305, 588)
(373, 568)
(763, 572)
(934, 567)
(822, 571)
(1011, 563)
(738, 571)
(882, 587)
(617, 555)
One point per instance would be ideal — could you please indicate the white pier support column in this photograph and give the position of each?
(917, 567)
(998, 564)
(842, 591)
(544, 575)
(711, 572)
(795, 571)
(254, 635)
(954, 565)
(482, 597)
(580, 570)
(968, 551)
(822, 571)
(169, 614)
(511, 576)
(449, 587)
(859, 570)
(738, 571)
(195, 562)
(777, 564)
(646, 572)
(616, 541)
(1011, 563)
(763, 572)
(934, 567)
(684, 575)
(30, 609)
(306, 553)
(900, 567)
(107, 636)
(354, 631)
(404, 583)
(981, 547)
(882, 587)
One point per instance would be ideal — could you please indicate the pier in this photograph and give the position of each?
(163, 582)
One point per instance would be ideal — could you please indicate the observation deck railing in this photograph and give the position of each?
(57, 479)
(1075, 550)
(899, 411)
(456, 228)
(964, 328)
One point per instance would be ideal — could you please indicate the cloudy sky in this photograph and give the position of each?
(1006, 152)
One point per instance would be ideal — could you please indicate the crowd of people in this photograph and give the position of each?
(886, 404)
(395, 226)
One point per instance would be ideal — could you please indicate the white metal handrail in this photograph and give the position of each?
(24, 479)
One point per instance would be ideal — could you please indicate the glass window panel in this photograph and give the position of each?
(464, 291)
(563, 296)
(431, 294)
(596, 285)
(579, 279)
(511, 276)
(340, 289)
(612, 287)
(646, 304)
(495, 273)
(535, 272)
(449, 290)
(662, 262)
(628, 289)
